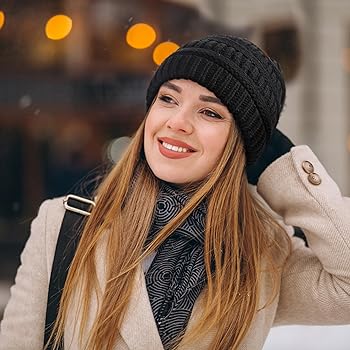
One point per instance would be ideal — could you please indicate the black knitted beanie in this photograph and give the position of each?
(240, 74)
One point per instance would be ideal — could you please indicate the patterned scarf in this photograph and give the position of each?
(176, 275)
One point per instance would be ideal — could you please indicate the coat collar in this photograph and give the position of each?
(138, 329)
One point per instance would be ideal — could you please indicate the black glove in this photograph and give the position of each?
(279, 145)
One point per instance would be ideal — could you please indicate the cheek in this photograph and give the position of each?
(215, 143)
(153, 122)
(149, 129)
(148, 125)
(152, 126)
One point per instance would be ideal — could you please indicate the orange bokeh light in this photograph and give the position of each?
(141, 36)
(163, 50)
(2, 19)
(58, 27)
(346, 59)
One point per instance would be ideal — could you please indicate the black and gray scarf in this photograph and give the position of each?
(176, 275)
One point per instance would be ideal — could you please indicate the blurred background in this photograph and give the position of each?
(73, 76)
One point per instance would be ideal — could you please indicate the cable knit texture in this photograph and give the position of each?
(248, 82)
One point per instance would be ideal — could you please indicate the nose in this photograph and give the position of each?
(181, 121)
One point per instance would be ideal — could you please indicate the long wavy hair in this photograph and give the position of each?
(241, 241)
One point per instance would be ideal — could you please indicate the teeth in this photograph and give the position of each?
(175, 148)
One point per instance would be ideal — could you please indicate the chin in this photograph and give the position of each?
(172, 178)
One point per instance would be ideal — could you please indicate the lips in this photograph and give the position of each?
(174, 154)
(177, 143)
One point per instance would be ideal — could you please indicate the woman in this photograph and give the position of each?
(180, 252)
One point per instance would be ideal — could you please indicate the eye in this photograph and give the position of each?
(211, 114)
(166, 98)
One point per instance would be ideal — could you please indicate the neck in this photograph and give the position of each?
(186, 188)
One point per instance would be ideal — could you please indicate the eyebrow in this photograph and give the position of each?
(204, 98)
(213, 99)
(172, 87)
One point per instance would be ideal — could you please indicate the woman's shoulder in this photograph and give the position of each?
(50, 215)
(47, 225)
(279, 219)
(52, 209)
(29, 293)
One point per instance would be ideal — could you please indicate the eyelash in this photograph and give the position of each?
(213, 114)
(207, 112)
(166, 98)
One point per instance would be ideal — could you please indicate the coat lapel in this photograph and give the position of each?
(204, 342)
(139, 330)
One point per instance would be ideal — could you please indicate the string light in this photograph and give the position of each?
(58, 27)
(163, 50)
(140, 36)
(2, 19)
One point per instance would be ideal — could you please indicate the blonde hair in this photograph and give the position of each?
(240, 238)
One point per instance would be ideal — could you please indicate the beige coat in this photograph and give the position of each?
(315, 287)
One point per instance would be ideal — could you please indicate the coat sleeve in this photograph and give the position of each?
(315, 283)
(23, 323)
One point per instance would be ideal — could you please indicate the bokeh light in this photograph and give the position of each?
(116, 148)
(141, 36)
(346, 59)
(163, 50)
(2, 19)
(58, 27)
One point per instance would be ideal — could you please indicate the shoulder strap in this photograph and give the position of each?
(77, 209)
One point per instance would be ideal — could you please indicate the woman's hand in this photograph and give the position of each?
(279, 145)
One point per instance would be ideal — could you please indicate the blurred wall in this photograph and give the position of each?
(317, 105)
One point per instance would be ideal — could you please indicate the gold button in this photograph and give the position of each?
(314, 179)
(308, 167)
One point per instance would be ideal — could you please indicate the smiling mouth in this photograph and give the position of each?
(175, 148)
(174, 152)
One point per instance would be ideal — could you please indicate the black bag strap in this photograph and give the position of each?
(77, 209)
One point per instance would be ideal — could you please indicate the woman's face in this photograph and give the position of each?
(186, 130)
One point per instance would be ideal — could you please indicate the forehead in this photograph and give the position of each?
(193, 89)
(185, 84)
